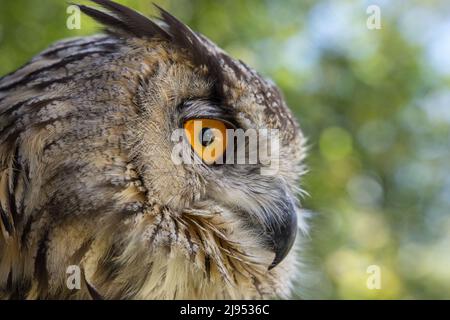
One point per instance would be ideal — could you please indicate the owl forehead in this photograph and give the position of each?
(237, 81)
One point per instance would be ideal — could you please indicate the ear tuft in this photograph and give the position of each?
(123, 19)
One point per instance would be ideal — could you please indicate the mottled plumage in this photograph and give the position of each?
(86, 176)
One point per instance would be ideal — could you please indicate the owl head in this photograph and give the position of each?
(158, 163)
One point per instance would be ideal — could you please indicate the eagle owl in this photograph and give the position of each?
(88, 179)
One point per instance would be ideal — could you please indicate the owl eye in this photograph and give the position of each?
(207, 137)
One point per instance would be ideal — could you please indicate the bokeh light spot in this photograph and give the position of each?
(335, 143)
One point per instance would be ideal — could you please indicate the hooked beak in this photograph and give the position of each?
(281, 228)
(274, 217)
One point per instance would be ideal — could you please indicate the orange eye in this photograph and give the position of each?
(207, 137)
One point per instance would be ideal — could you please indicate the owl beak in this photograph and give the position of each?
(283, 230)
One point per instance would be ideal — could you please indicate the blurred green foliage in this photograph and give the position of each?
(374, 104)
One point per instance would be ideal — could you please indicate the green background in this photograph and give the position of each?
(374, 104)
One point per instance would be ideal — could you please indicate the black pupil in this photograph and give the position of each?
(207, 137)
